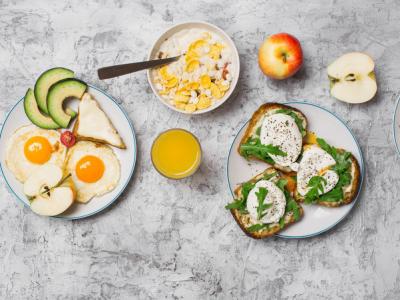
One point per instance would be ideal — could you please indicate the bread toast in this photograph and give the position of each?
(351, 190)
(256, 121)
(244, 220)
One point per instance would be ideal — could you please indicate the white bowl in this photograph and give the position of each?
(206, 26)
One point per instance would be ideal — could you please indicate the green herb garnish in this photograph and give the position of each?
(261, 194)
(297, 119)
(316, 185)
(253, 147)
(240, 204)
(269, 176)
(291, 204)
(256, 227)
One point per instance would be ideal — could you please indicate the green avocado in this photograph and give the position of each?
(45, 81)
(58, 92)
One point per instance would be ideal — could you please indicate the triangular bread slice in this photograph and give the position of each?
(93, 124)
(243, 219)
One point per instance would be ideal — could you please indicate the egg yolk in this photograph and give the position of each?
(37, 150)
(89, 169)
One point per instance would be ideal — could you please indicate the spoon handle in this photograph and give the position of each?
(119, 70)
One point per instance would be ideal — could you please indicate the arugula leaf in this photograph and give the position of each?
(342, 168)
(261, 194)
(258, 131)
(269, 176)
(297, 119)
(292, 206)
(240, 204)
(281, 183)
(282, 222)
(253, 147)
(316, 185)
(256, 227)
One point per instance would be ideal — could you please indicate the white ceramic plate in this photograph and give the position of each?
(127, 157)
(396, 125)
(208, 27)
(316, 219)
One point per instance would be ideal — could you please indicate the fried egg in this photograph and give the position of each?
(30, 147)
(274, 196)
(94, 168)
(282, 131)
(316, 162)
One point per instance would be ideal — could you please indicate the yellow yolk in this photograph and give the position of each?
(37, 150)
(89, 169)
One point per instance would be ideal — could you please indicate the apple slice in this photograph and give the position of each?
(54, 202)
(352, 78)
(49, 193)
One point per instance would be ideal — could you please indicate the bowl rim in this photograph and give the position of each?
(236, 59)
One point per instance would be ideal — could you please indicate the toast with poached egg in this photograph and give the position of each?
(264, 205)
(327, 175)
(93, 124)
(275, 135)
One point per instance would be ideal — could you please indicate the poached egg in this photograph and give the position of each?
(282, 131)
(316, 162)
(275, 196)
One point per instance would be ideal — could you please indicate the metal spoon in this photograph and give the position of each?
(119, 70)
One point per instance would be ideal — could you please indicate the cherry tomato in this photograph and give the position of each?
(68, 139)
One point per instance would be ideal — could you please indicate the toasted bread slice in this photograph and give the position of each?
(256, 121)
(244, 220)
(350, 191)
(93, 124)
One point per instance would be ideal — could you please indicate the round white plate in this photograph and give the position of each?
(316, 219)
(396, 125)
(127, 157)
(207, 27)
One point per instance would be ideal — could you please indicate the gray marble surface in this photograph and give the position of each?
(173, 239)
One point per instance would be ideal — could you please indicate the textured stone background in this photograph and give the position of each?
(174, 239)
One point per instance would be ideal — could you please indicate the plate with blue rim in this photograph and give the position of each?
(325, 124)
(396, 125)
(16, 118)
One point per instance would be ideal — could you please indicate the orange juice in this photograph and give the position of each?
(176, 153)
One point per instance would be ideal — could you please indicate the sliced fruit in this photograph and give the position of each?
(60, 91)
(352, 78)
(54, 202)
(45, 81)
(50, 194)
(35, 115)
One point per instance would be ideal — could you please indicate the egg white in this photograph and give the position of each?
(16, 161)
(281, 130)
(112, 170)
(313, 161)
(275, 196)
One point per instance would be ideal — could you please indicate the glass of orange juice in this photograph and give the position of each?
(176, 153)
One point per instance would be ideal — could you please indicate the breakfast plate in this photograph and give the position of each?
(396, 125)
(17, 118)
(317, 219)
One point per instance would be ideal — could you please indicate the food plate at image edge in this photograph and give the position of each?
(316, 219)
(16, 118)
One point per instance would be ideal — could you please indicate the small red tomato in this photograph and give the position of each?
(68, 139)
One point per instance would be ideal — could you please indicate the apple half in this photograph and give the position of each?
(352, 78)
(49, 192)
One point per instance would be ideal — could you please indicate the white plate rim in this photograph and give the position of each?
(235, 80)
(361, 165)
(125, 184)
(397, 107)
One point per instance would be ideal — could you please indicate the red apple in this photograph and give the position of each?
(280, 56)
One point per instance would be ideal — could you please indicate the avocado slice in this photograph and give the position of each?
(35, 115)
(60, 91)
(45, 81)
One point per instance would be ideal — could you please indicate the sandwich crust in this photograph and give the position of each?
(243, 220)
(255, 120)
